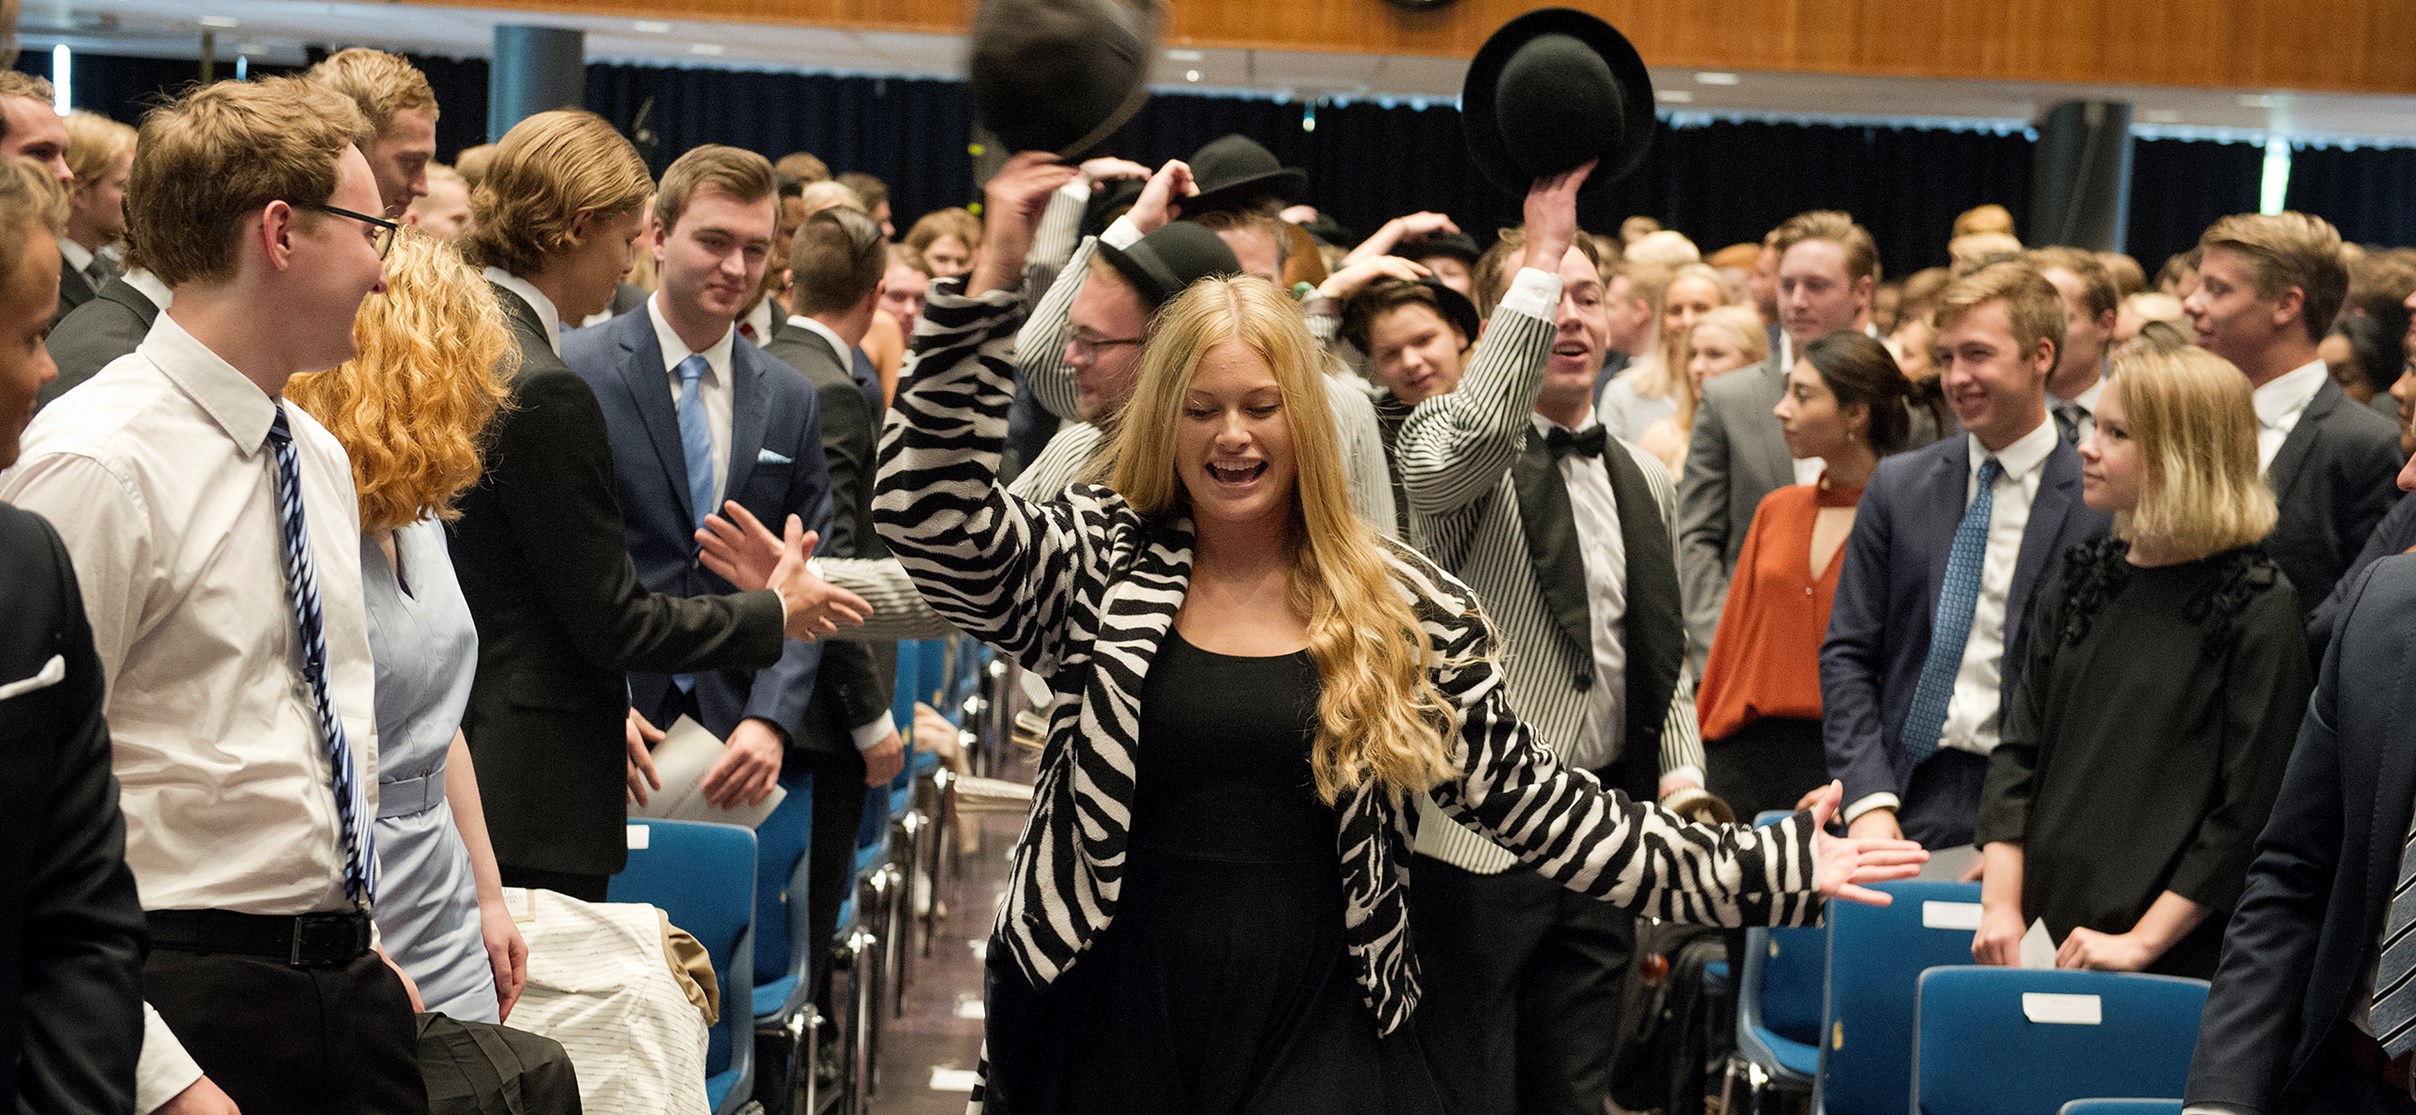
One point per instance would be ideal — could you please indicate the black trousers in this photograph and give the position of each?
(1521, 981)
(282, 1040)
(1768, 764)
(585, 888)
(479, 1068)
(831, 862)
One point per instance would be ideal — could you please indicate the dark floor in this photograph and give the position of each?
(942, 1026)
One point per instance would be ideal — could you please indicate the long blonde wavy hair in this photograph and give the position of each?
(1380, 717)
(413, 410)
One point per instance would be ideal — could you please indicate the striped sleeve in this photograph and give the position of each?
(1589, 838)
(1454, 448)
(1040, 347)
(898, 609)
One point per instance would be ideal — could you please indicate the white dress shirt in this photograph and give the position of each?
(1595, 510)
(2280, 403)
(1972, 710)
(158, 478)
(78, 257)
(712, 388)
(547, 314)
(2086, 420)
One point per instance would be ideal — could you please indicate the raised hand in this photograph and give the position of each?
(1162, 200)
(1845, 865)
(1011, 206)
(1352, 279)
(736, 546)
(1108, 168)
(1552, 216)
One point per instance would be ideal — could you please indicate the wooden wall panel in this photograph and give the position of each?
(2332, 45)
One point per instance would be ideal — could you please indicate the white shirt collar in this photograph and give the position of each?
(1545, 425)
(78, 257)
(2027, 452)
(547, 315)
(143, 280)
(847, 356)
(675, 350)
(225, 394)
(2285, 395)
(761, 318)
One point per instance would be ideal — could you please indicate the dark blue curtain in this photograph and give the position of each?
(2178, 187)
(2367, 191)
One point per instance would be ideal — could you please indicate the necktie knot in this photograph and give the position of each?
(279, 431)
(1562, 443)
(693, 369)
(1990, 470)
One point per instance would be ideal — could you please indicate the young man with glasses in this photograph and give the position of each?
(216, 537)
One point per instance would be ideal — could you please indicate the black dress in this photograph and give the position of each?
(1223, 985)
(2145, 748)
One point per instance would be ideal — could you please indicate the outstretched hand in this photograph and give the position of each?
(1551, 214)
(736, 546)
(1845, 865)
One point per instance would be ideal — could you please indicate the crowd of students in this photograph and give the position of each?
(380, 515)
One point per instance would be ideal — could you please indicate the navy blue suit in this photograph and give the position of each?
(2301, 940)
(1887, 594)
(776, 470)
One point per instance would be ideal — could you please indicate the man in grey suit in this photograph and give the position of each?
(2268, 289)
(1827, 266)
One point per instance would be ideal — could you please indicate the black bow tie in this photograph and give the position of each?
(1562, 443)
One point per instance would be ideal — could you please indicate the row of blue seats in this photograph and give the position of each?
(1880, 1011)
(741, 893)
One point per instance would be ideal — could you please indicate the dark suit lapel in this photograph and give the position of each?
(641, 373)
(1768, 439)
(2292, 457)
(2059, 486)
(145, 310)
(1543, 509)
(2394, 791)
(748, 419)
(1655, 632)
(525, 322)
(1948, 486)
(74, 288)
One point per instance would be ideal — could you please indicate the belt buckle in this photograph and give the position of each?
(318, 935)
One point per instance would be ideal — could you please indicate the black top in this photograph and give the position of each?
(1225, 769)
(2145, 747)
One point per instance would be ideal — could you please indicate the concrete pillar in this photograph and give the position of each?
(2080, 186)
(536, 69)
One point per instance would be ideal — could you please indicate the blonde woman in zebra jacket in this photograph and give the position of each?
(1129, 975)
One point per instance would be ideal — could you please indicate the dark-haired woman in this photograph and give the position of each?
(1760, 697)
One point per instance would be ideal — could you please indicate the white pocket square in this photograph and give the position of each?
(767, 457)
(53, 672)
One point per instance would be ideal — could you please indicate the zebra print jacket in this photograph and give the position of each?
(1081, 590)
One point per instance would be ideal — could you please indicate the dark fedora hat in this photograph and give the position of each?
(1358, 314)
(1235, 171)
(1457, 245)
(1550, 90)
(1162, 263)
(1060, 75)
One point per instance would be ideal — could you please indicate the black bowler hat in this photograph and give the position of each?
(1457, 245)
(1236, 171)
(1358, 314)
(1164, 262)
(1060, 75)
(1550, 90)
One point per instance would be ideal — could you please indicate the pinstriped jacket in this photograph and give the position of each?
(1081, 590)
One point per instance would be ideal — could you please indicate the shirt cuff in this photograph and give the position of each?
(1076, 189)
(1122, 234)
(165, 1070)
(869, 734)
(1870, 802)
(1689, 773)
(1534, 292)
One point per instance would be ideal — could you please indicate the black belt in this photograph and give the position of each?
(307, 941)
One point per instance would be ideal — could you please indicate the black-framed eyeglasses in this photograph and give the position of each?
(1087, 346)
(383, 238)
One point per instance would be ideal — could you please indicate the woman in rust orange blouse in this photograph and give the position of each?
(1760, 697)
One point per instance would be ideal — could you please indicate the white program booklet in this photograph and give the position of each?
(681, 760)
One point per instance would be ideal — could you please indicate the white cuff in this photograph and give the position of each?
(1870, 802)
(1534, 292)
(165, 1070)
(1076, 189)
(869, 734)
(1689, 773)
(1122, 234)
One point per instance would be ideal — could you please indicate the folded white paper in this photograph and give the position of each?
(681, 760)
(2038, 949)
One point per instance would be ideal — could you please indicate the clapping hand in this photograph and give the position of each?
(1845, 865)
(736, 546)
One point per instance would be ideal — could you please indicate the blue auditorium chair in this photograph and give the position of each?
(702, 876)
(1876, 957)
(2018, 1041)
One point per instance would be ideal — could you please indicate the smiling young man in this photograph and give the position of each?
(1917, 667)
(2268, 289)
(217, 540)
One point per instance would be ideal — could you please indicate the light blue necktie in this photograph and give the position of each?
(696, 445)
(1951, 630)
(2394, 1017)
(302, 591)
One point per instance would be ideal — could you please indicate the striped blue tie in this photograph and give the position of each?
(2394, 1018)
(1951, 630)
(302, 591)
(696, 447)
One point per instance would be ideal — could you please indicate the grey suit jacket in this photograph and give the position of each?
(2333, 479)
(95, 333)
(1736, 455)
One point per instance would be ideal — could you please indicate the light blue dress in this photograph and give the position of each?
(426, 647)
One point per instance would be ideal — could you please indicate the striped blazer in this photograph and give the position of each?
(1455, 454)
(1081, 590)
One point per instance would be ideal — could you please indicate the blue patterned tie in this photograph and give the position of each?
(1952, 628)
(302, 591)
(2394, 1017)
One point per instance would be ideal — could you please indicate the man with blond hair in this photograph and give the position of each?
(445, 209)
(30, 125)
(401, 109)
(541, 548)
(2090, 303)
(100, 155)
(2268, 289)
(216, 536)
(1918, 665)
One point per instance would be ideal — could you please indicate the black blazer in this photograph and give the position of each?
(97, 332)
(562, 618)
(74, 290)
(2305, 931)
(72, 938)
(2334, 480)
(858, 679)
